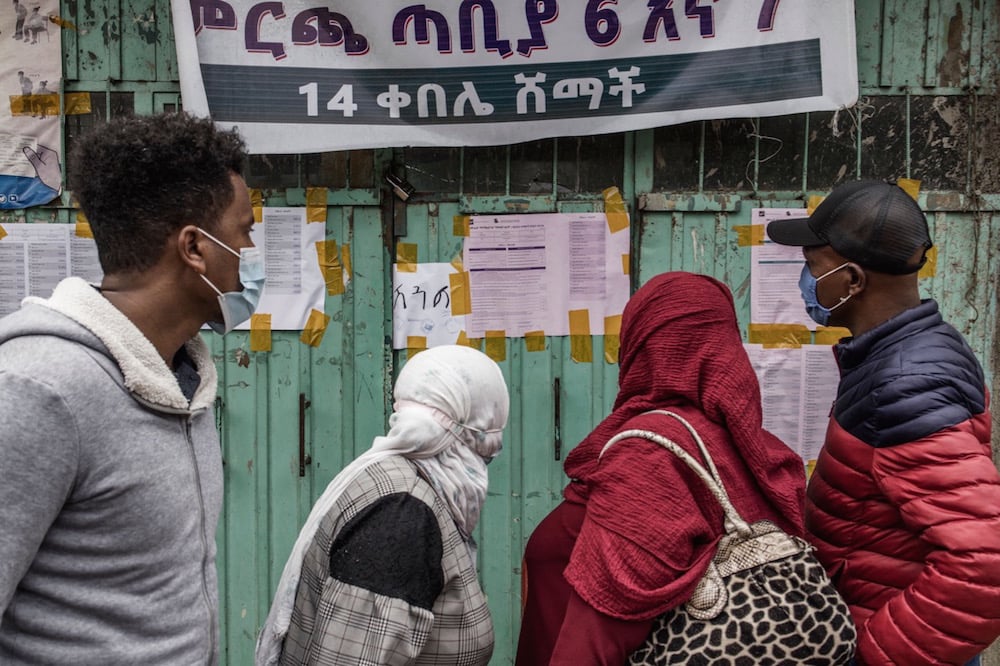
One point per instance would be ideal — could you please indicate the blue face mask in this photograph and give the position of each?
(237, 306)
(807, 285)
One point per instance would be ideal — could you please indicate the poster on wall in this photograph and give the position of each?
(774, 273)
(554, 273)
(34, 258)
(797, 387)
(30, 73)
(294, 285)
(296, 77)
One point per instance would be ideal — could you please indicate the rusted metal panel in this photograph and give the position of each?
(926, 46)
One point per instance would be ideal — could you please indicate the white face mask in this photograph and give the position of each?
(237, 306)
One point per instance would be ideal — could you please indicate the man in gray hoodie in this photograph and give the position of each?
(110, 466)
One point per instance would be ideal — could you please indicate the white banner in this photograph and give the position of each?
(297, 77)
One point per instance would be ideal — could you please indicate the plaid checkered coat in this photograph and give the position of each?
(388, 580)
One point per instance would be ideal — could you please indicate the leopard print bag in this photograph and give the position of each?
(765, 598)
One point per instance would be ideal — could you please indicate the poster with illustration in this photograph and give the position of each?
(30, 72)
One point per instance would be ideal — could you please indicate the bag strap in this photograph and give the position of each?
(710, 476)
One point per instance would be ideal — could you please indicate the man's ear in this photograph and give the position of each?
(190, 246)
(858, 279)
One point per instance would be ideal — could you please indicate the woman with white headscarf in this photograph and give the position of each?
(384, 570)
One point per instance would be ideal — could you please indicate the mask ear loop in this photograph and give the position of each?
(209, 283)
(843, 299)
(449, 424)
(219, 243)
(846, 263)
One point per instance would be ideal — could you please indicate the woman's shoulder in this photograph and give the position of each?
(388, 476)
(673, 424)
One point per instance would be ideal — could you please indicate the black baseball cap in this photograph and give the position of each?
(874, 224)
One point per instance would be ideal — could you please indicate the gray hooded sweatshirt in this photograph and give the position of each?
(110, 491)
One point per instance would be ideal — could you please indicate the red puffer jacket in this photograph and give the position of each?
(904, 504)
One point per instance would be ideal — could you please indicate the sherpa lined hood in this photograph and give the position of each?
(77, 311)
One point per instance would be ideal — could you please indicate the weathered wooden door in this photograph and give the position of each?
(555, 400)
(294, 416)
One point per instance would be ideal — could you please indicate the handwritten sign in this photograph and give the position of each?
(421, 306)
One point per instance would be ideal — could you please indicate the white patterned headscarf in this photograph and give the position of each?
(451, 406)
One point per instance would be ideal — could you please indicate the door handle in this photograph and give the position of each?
(304, 459)
(557, 419)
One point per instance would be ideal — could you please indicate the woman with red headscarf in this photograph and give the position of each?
(636, 529)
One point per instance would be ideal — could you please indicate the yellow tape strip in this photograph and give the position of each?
(579, 322)
(83, 229)
(813, 201)
(415, 344)
(779, 336)
(345, 259)
(3, 232)
(456, 262)
(257, 203)
(62, 23)
(614, 208)
(460, 225)
(534, 341)
(77, 103)
(46, 104)
(406, 257)
(260, 332)
(496, 345)
(315, 328)
(929, 269)
(329, 266)
(19, 105)
(749, 234)
(461, 303)
(612, 338)
(315, 204)
(626, 264)
(810, 468)
(464, 339)
(911, 186)
(830, 335)
(580, 343)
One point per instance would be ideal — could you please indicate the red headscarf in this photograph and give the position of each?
(680, 349)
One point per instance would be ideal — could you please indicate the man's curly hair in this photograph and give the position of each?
(140, 178)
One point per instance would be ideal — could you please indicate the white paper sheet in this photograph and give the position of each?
(35, 257)
(798, 387)
(294, 283)
(421, 305)
(774, 275)
(527, 272)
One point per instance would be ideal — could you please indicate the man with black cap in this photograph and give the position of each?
(904, 503)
